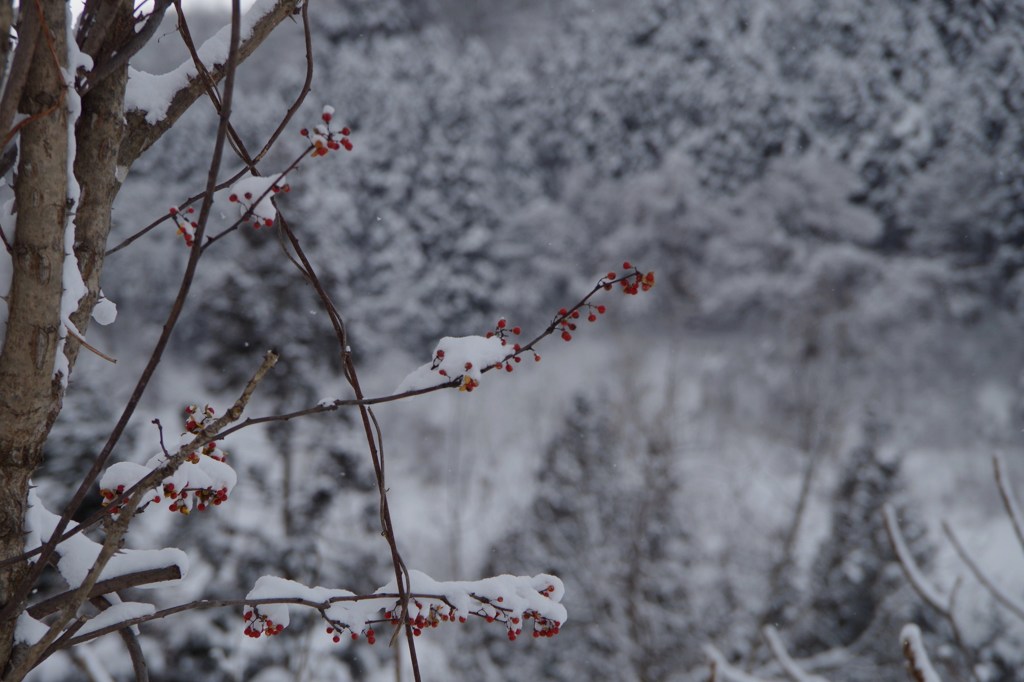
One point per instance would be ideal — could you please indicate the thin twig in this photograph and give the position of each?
(1009, 499)
(88, 346)
(1011, 604)
(789, 666)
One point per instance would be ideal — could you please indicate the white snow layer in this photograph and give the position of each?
(459, 356)
(541, 594)
(118, 613)
(29, 630)
(79, 553)
(259, 190)
(105, 311)
(153, 94)
(74, 286)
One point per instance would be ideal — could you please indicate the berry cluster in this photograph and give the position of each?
(337, 629)
(196, 420)
(564, 319)
(505, 332)
(325, 139)
(250, 203)
(257, 624)
(491, 610)
(632, 282)
(109, 495)
(181, 501)
(186, 226)
(429, 617)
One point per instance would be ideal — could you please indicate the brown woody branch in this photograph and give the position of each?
(142, 134)
(154, 575)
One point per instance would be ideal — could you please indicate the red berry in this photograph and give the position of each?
(566, 336)
(440, 353)
(346, 132)
(336, 639)
(517, 331)
(627, 266)
(233, 198)
(469, 366)
(591, 317)
(536, 357)
(517, 359)
(501, 323)
(326, 117)
(508, 368)
(601, 309)
(563, 312)
(304, 132)
(610, 275)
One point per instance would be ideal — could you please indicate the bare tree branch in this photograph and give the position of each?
(1012, 605)
(142, 134)
(789, 666)
(102, 587)
(120, 58)
(1009, 499)
(918, 666)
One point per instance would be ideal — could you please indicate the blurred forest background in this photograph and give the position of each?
(832, 196)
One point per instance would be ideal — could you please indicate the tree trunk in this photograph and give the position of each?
(30, 394)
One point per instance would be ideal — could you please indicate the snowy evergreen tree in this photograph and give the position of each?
(605, 516)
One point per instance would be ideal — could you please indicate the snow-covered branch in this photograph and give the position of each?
(924, 587)
(918, 664)
(781, 655)
(154, 103)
